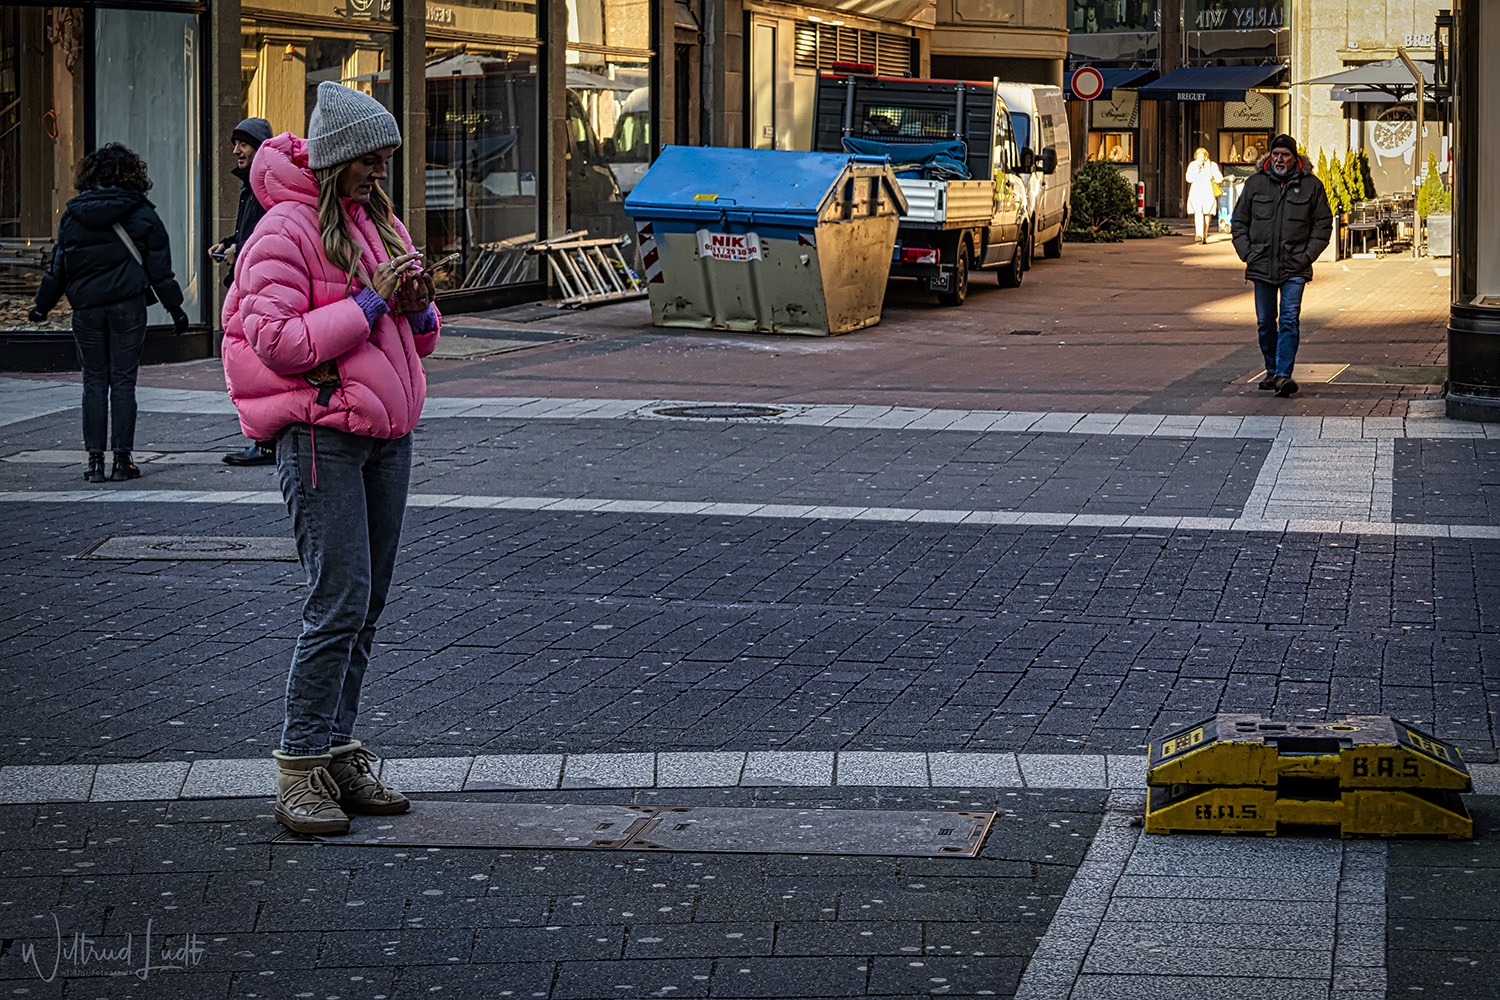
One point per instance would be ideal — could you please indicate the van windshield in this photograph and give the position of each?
(1020, 122)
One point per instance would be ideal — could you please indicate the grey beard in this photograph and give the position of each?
(1280, 173)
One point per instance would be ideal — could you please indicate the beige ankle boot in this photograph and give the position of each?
(307, 797)
(360, 791)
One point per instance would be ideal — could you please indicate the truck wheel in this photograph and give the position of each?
(1052, 249)
(1011, 274)
(960, 279)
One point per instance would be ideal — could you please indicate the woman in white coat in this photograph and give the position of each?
(1203, 177)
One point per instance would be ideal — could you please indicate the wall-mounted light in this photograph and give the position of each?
(289, 52)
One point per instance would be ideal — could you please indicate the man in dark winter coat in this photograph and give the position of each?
(1281, 223)
(247, 137)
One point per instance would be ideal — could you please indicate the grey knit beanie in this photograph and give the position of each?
(347, 123)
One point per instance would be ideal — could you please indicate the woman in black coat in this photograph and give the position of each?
(111, 257)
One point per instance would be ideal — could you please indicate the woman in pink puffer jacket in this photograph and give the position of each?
(324, 331)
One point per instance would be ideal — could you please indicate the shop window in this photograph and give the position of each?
(610, 116)
(146, 97)
(1112, 147)
(135, 75)
(1243, 147)
(481, 164)
(42, 135)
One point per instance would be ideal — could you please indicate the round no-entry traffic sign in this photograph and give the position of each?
(1088, 83)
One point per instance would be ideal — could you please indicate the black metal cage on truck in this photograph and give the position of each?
(955, 157)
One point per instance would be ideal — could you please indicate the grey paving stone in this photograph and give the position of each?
(908, 770)
(141, 781)
(1062, 770)
(1220, 958)
(426, 774)
(1246, 889)
(1125, 770)
(808, 768)
(514, 771)
(230, 778)
(711, 769)
(609, 770)
(969, 770)
(46, 783)
(1169, 987)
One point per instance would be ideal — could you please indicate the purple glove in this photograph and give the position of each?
(423, 322)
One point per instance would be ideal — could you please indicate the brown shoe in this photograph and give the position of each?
(307, 797)
(1285, 386)
(360, 791)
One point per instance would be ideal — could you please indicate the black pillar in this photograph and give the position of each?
(1474, 317)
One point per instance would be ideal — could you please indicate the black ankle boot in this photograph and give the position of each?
(123, 468)
(95, 472)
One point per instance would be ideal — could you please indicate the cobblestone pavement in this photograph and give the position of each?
(928, 595)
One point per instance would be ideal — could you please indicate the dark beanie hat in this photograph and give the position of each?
(1284, 141)
(252, 130)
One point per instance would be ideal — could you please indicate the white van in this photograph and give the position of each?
(1040, 121)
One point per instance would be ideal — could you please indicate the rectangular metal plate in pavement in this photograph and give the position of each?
(688, 829)
(492, 824)
(815, 831)
(178, 548)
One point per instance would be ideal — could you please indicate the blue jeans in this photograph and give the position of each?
(347, 496)
(109, 341)
(1279, 325)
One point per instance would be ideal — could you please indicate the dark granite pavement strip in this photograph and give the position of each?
(367, 921)
(486, 601)
(1454, 482)
(1443, 901)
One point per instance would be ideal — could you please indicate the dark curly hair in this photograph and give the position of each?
(112, 166)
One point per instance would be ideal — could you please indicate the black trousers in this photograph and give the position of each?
(109, 341)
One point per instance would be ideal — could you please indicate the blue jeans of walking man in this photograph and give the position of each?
(347, 496)
(1279, 323)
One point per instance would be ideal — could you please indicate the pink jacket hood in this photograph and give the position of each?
(290, 310)
(283, 175)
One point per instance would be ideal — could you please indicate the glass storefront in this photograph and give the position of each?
(71, 80)
(483, 142)
(147, 97)
(281, 66)
(608, 110)
(75, 77)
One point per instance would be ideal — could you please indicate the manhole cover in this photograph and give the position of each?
(174, 548)
(720, 412)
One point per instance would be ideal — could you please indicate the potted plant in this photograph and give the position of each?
(1435, 206)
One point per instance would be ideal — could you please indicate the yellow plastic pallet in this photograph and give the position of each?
(1366, 751)
(1359, 812)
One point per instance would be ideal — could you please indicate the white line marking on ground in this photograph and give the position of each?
(1314, 518)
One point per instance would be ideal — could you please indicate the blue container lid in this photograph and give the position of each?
(715, 183)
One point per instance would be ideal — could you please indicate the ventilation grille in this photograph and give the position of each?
(819, 46)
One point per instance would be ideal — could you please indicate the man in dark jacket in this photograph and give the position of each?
(1281, 224)
(247, 137)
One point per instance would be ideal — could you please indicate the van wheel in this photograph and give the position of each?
(960, 279)
(1052, 249)
(1011, 274)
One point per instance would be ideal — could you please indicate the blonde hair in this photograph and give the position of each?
(1200, 152)
(341, 249)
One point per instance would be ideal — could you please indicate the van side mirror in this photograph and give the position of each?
(609, 148)
(1028, 160)
(1049, 160)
